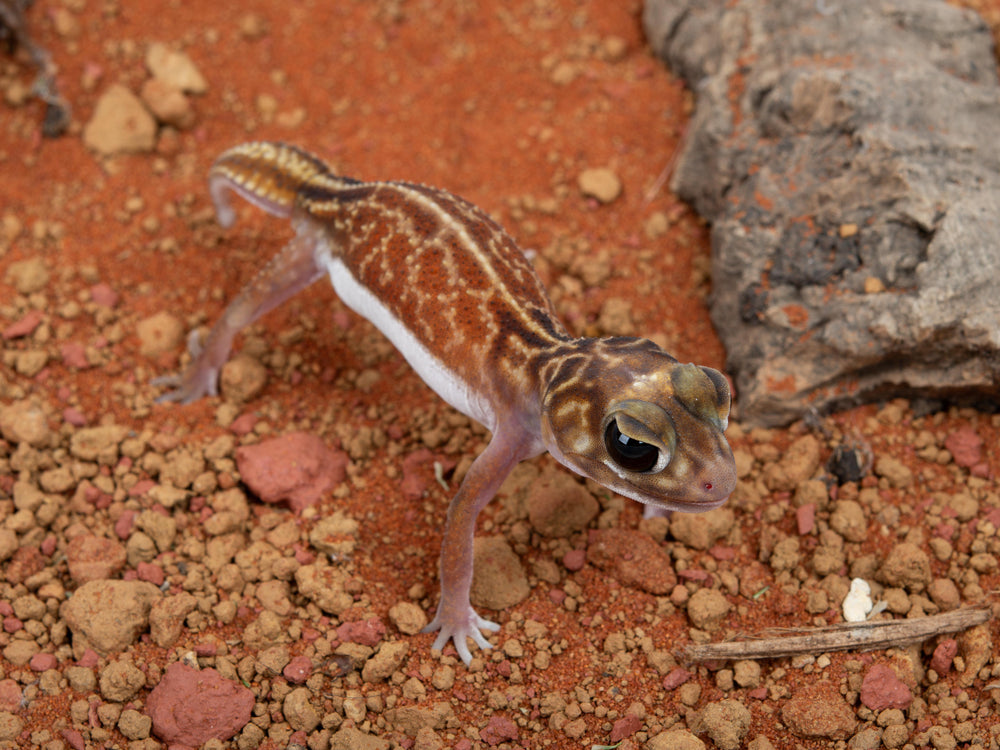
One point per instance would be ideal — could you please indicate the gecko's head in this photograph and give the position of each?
(630, 417)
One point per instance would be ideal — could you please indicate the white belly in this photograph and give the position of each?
(432, 370)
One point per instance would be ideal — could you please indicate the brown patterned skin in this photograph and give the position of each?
(456, 296)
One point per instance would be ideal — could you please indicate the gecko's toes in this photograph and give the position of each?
(458, 629)
(172, 382)
(188, 387)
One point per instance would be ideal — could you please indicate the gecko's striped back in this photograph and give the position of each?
(443, 268)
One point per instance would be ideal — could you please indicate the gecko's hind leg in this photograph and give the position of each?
(290, 271)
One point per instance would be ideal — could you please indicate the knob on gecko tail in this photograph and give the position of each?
(452, 291)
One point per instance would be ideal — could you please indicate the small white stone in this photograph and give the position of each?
(858, 602)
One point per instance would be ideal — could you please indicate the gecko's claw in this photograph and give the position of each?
(457, 629)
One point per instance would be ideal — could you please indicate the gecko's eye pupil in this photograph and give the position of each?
(630, 454)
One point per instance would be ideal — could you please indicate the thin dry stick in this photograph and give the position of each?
(864, 636)
(664, 175)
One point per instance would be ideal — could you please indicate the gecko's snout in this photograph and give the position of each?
(716, 483)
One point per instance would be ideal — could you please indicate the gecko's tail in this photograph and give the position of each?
(269, 175)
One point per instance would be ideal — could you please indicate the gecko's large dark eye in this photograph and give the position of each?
(630, 454)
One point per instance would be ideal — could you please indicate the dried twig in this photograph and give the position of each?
(665, 173)
(865, 636)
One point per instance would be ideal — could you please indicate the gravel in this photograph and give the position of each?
(153, 585)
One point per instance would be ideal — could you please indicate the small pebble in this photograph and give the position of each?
(574, 560)
(600, 183)
(168, 103)
(944, 655)
(120, 124)
(103, 295)
(23, 327)
(159, 333)
(42, 662)
(858, 602)
(297, 671)
(677, 677)
(882, 689)
(175, 69)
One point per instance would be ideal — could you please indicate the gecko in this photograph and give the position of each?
(463, 305)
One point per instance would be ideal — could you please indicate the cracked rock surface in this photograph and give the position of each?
(838, 151)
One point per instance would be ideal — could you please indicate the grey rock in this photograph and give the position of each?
(848, 158)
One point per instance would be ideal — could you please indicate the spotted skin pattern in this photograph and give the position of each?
(450, 288)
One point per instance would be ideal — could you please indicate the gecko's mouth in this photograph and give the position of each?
(684, 504)
(707, 490)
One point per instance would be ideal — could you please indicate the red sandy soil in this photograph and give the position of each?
(506, 105)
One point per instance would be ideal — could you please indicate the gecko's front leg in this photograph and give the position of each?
(456, 620)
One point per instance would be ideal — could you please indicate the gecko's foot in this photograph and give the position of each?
(198, 380)
(189, 387)
(457, 629)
